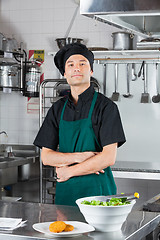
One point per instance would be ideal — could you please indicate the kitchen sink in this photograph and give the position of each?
(12, 150)
(15, 161)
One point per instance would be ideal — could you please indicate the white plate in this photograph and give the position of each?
(79, 228)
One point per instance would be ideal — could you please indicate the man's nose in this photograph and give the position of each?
(76, 67)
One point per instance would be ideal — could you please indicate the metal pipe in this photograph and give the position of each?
(21, 67)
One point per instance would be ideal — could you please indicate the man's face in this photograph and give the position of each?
(78, 70)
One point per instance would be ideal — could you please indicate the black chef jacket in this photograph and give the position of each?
(105, 119)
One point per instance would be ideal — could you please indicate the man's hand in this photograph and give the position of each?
(102, 171)
(62, 174)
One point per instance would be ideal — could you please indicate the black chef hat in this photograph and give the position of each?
(71, 49)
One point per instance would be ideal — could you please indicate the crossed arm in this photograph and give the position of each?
(86, 162)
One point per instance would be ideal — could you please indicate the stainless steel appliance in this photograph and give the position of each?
(9, 75)
(141, 17)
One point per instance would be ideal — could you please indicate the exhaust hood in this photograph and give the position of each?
(141, 17)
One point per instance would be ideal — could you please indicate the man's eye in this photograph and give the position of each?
(70, 65)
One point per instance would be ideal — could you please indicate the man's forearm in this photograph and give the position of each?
(59, 159)
(96, 163)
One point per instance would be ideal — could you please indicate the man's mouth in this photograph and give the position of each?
(77, 75)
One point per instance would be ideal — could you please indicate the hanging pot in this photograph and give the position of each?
(9, 75)
(122, 41)
(10, 45)
(61, 42)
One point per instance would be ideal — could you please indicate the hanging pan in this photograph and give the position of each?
(156, 98)
(115, 95)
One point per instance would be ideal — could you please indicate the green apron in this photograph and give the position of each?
(78, 136)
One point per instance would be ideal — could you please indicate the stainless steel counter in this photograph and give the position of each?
(137, 225)
(136, 170)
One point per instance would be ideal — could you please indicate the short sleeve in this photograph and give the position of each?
(48, 135)
(111, 130)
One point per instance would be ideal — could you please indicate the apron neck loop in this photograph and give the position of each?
(93, 104)
(91, 108)
(63, 109)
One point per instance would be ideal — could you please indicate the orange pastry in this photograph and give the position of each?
(57, 226)
(68, 228)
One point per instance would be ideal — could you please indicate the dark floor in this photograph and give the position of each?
(28, 190)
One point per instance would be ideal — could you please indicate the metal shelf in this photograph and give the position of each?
(123, 56)
(129, 56)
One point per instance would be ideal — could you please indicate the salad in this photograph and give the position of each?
(111, 202)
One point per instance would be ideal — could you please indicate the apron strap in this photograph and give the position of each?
(63, 109)
(93, 104)
(91, 108)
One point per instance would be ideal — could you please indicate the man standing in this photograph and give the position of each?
(87, 127)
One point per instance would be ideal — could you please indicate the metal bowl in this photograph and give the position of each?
(61, 42)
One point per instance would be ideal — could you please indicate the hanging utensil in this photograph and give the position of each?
(140, 71)
(127, 95)
(145, 98)
(115, 95)
(156, 98)
(134, 75)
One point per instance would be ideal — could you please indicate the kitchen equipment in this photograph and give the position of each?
(128, 95)
(61, 42)
(135, 41)
(98, 49)
(127, 196)
(32, 80)
(145, 98)
(139, 17)
(149, 44)
(156, 98)
(115, 95)
(9, 75)
(104, 218)
(134, 75)
(122, 41)
(1, 41)
(10, 45)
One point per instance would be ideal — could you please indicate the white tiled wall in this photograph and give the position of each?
(37, 23)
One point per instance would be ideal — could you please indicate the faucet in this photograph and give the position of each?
(4, 133)
(8, 149)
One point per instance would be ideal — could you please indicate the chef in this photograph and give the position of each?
(87, 127)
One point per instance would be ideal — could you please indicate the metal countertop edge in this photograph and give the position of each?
(153, 222)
